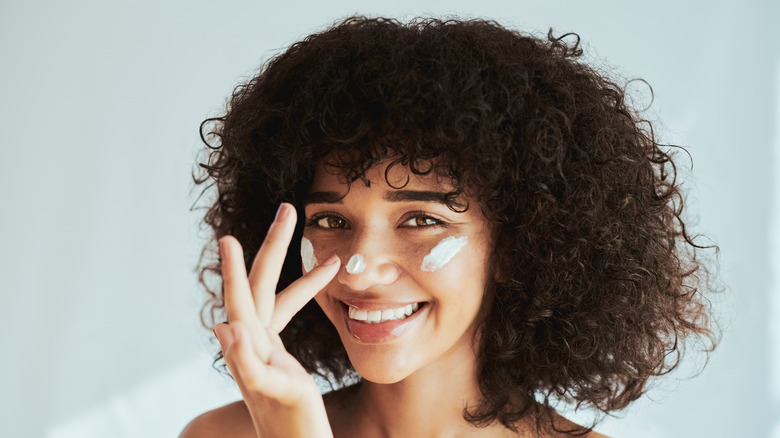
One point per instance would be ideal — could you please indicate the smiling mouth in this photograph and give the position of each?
(385, 315)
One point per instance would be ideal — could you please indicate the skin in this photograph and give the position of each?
(416, 383)
(393, 237)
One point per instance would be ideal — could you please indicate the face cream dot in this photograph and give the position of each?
(443, 252)
(356, 264)
(307, 255)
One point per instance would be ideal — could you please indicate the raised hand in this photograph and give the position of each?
(282, 398)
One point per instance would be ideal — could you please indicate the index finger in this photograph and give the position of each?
(269, 260)
(291, 300)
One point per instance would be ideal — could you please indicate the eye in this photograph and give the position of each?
(328, 222)
(421, 220)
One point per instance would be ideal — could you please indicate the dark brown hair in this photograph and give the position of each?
(599, 283)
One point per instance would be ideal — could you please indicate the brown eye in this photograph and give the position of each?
(331, 222)
(425, 221)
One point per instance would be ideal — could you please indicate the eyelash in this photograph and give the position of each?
(421, 215)
(313, 222)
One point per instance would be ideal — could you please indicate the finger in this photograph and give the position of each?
(291, 300)
(237, 293)
(239, 304)
(229, 337)
(234, 342)
(224, 335)
(234, 339)
(253, 375)
(269, 260)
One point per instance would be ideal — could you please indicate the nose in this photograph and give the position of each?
(370, 263)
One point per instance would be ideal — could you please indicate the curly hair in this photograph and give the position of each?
(598, 284)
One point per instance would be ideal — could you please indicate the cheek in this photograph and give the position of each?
(314, 251)
(328, 307)
(403, 251)
(463, 275)
(322, 300)
(308, 258)
(410, 253)
(442, 253)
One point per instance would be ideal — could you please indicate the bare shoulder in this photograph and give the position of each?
(231, 420)
(563, 424)
(591, 434)
(562, 434)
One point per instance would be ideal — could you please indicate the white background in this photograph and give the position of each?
(99, 110)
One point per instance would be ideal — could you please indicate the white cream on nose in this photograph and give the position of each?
(356, 264)
(443, 252)
(307, 255)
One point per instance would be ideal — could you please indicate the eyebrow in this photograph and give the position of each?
(390, 196)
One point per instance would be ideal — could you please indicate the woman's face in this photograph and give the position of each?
(403, 251)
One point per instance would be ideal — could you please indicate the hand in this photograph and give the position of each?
(283, 400)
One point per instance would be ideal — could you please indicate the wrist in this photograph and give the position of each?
(306, 419)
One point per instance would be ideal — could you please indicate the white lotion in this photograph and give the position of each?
(356, 264)
(307, 255)
(443, 252)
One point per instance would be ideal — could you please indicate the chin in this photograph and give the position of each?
(383, 367)
(381, 376)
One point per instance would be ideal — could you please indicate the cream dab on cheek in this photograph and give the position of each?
(443, 253)
(356, 264)
(307, 255)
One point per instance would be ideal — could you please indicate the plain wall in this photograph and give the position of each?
(100, 104)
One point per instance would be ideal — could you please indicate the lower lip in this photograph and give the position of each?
(378, 333)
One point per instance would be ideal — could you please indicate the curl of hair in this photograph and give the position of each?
(598, 282)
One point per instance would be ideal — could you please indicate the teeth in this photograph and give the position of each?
(374, 316)
(377, 316)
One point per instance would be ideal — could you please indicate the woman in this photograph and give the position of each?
(485, 225)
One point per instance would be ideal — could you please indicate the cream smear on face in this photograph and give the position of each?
(307, 255)
(356, 264)
(443, 252)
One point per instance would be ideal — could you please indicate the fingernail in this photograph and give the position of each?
(282, 212)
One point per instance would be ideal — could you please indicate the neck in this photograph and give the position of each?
(430, 402)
